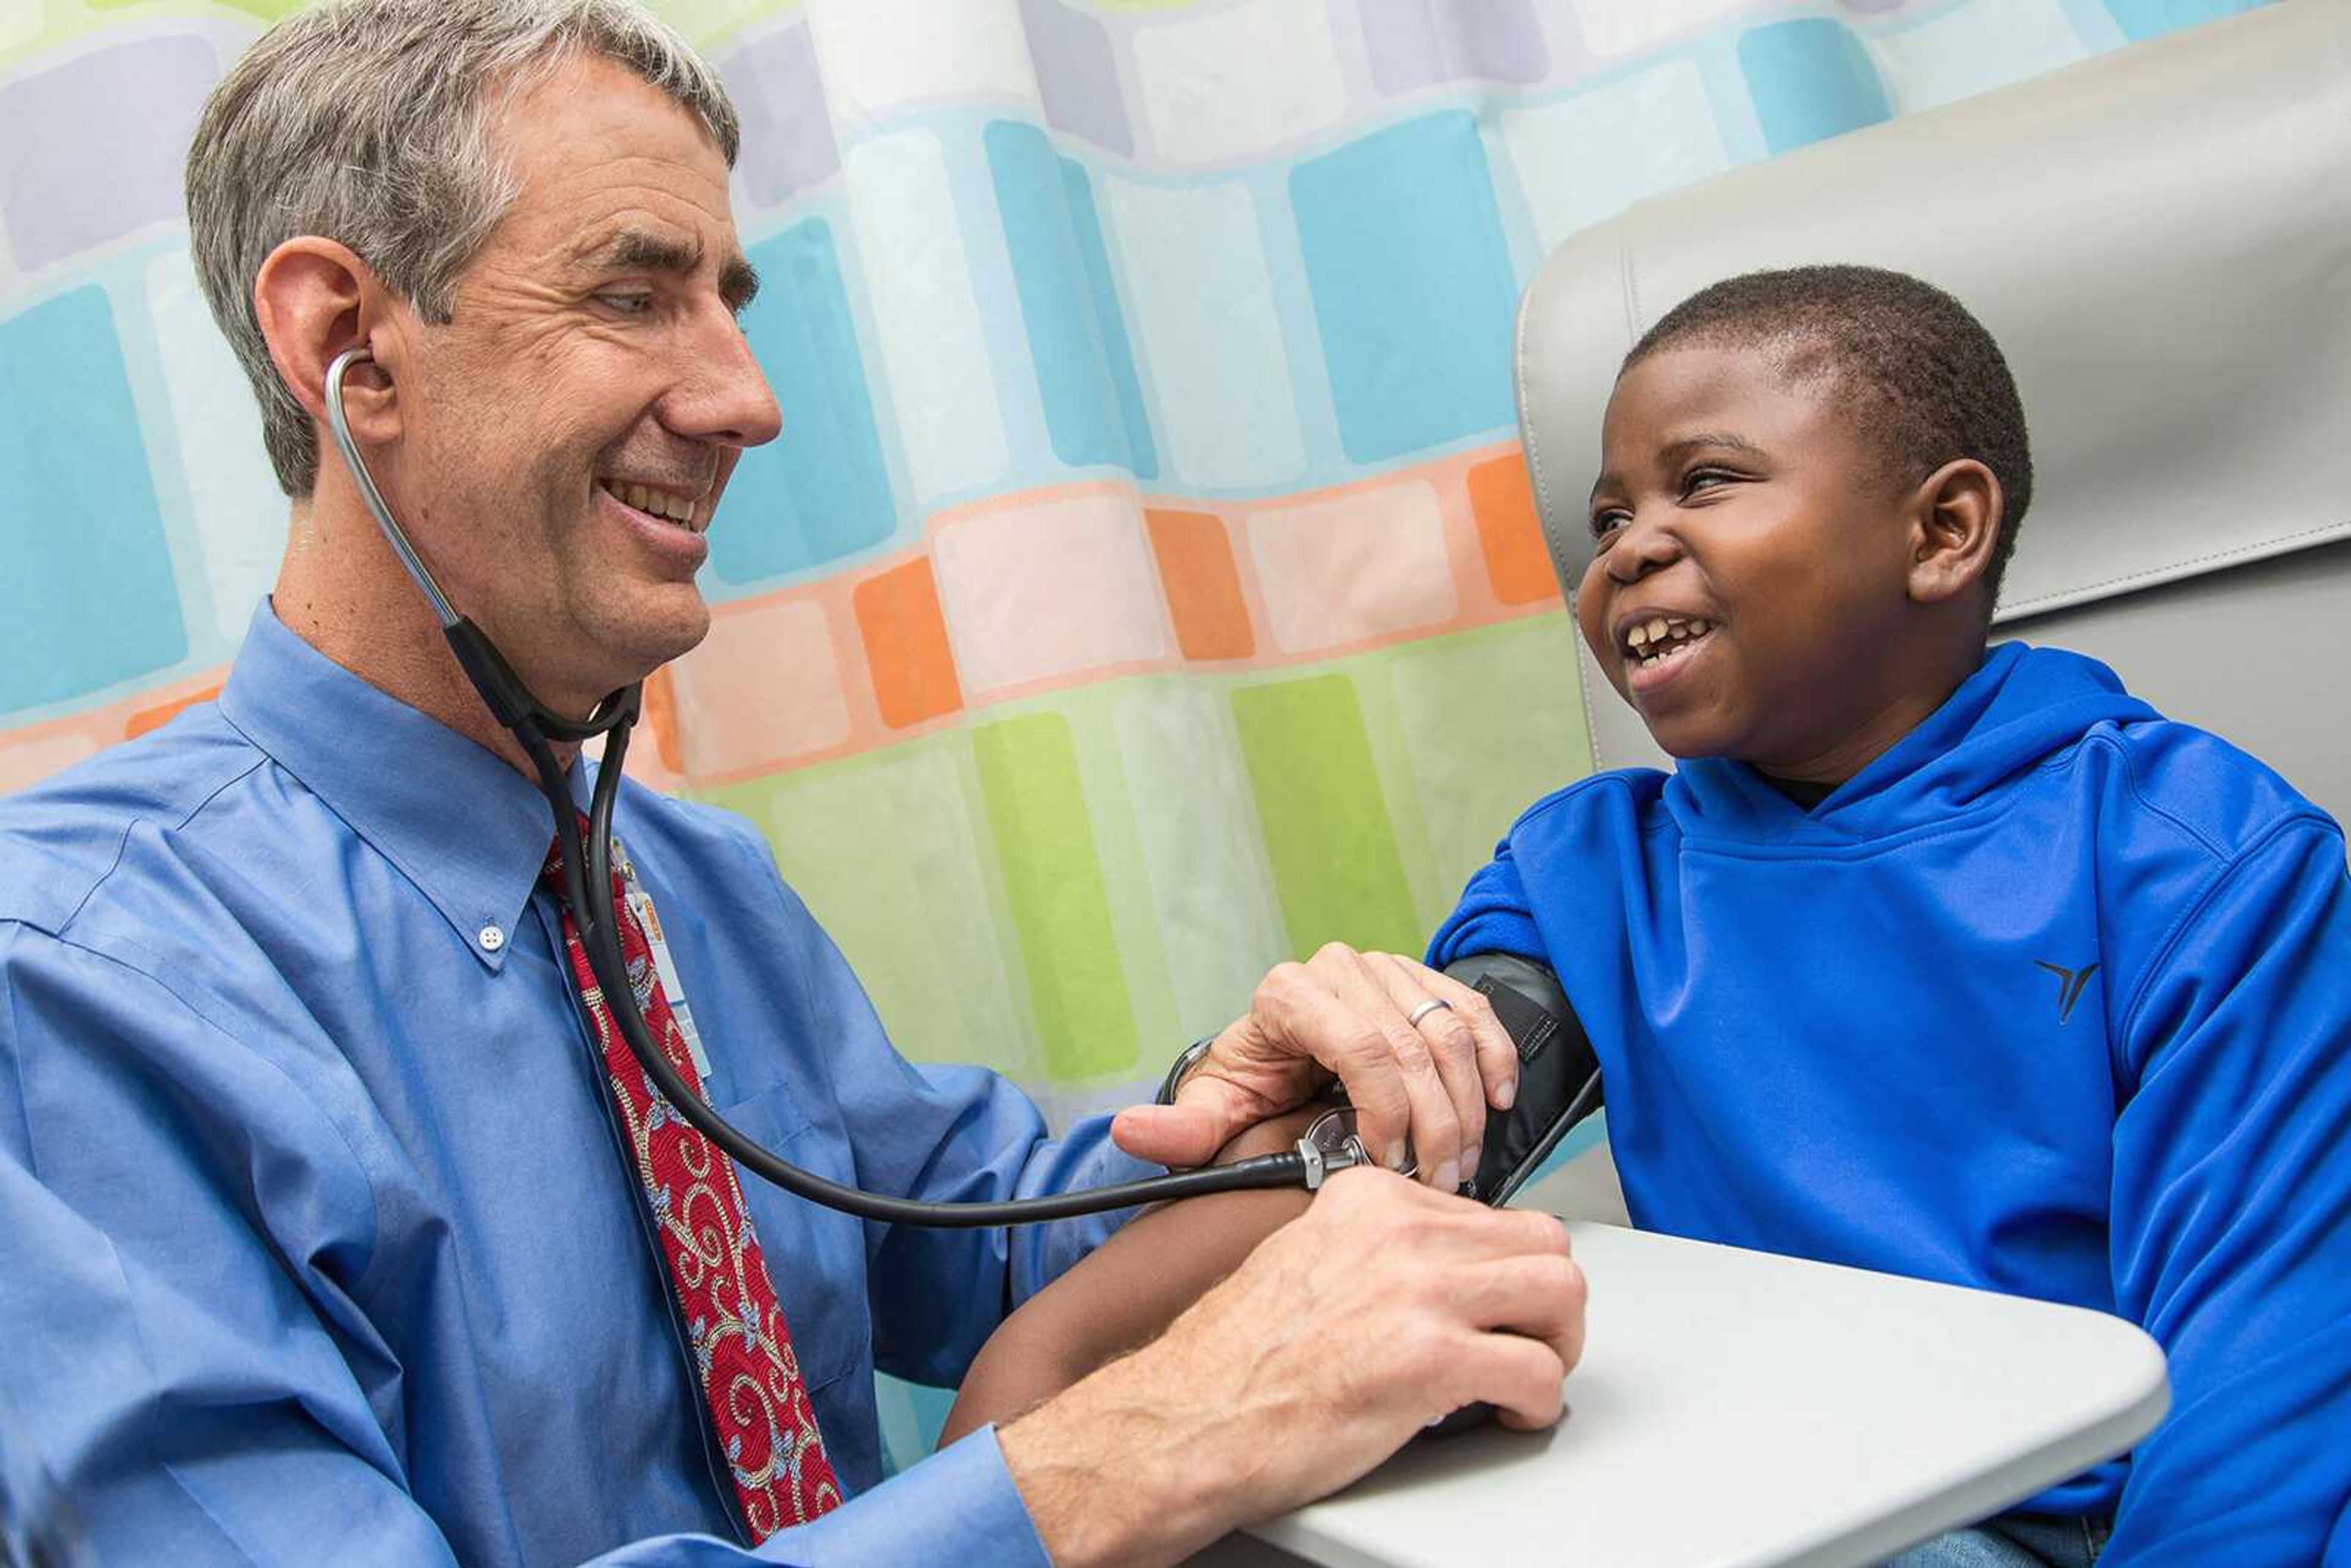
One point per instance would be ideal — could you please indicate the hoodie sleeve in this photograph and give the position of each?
(1493, 917)
(2232, 1213)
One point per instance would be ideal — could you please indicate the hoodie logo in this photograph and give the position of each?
(2069, 986)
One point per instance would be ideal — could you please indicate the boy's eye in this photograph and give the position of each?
(1699, 479)
(1606, 523)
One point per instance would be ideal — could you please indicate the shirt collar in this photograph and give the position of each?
(460, 822)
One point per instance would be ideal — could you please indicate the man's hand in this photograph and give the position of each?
(1381, 1309)
(1349, 1016)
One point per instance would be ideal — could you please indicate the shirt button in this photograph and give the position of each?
(491, 938)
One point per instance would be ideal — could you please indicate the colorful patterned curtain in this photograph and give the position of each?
(1146, 587)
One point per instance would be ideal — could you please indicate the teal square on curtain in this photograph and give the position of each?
(1811, 79)
(1077, 335)
(87, 594)
(1412, 285)
(821, 490)
(2142, 19)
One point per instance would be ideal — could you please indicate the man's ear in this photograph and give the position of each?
(1955, 522)
(314, 299)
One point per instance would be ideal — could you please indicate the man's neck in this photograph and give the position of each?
(342, 590)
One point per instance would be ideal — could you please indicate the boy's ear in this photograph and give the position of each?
(1955, 521)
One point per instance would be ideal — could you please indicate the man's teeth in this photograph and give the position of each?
(1663, 637)
(658, 503)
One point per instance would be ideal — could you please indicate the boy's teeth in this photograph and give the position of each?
(1661, 639)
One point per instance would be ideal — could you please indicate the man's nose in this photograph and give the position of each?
(724, 396)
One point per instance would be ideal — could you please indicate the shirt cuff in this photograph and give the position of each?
(957, 1506)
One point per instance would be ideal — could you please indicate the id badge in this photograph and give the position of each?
(664, 966)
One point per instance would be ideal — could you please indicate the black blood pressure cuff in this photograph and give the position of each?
(1559, 1073)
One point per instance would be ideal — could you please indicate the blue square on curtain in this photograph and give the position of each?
(1412, 285)
(821, 490)
(1077, 335)
(1811, 79)
(87, 594)
(2152, 18)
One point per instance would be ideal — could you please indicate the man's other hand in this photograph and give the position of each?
(1349, 1016)
(1383, 1308)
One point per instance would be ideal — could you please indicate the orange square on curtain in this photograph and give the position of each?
(907, 644)
(1503, 504)
(156, 718)
(1204, 586)
(661, 717)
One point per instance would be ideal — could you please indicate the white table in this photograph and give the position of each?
(1736, 1409)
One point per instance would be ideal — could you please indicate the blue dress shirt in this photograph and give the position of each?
(318, 1243)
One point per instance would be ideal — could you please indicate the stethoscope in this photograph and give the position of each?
(1331, 1143)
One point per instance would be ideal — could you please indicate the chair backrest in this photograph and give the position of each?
(2160, 240)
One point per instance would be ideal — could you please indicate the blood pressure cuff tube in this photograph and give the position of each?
(1559, 1073)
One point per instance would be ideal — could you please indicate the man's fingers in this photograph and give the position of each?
(1498, 1056)
(1206, 1114)
(1452, 1047)
(1431, 1123)
(1537, 1297)
(1519, 1377)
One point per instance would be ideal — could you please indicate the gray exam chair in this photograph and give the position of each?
(2160, 240)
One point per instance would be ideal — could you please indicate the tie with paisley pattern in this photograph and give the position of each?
(751, 1382)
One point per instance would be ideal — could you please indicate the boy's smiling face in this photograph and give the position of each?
(1741, 509)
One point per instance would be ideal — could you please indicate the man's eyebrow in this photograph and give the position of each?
(636, 250)
(738, 284)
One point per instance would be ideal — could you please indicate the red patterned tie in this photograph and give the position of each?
(742, 1350)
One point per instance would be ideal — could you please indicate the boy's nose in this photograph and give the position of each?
(1640, 549)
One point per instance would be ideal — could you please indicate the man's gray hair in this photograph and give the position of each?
(369, 122)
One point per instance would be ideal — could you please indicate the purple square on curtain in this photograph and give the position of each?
(1415, 44)
(1076, 75)
(788, 144)
(106, 136)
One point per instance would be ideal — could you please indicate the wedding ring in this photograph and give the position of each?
(1426, 1008)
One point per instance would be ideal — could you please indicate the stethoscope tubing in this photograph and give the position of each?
(587, 888)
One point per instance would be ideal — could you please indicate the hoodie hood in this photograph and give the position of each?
(2022, 706)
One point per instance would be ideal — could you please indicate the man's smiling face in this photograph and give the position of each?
(1748, 590)
(568, 434)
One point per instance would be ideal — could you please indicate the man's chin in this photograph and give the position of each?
(652, 639)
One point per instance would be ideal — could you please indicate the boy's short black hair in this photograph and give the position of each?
(1922, 378)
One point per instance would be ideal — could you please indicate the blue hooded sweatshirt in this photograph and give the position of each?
(2052, 998)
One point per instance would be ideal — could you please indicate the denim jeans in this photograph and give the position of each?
(2014, 1541)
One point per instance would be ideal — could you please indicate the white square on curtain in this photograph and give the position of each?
(1052, 589)
(1211, 889)
(1625, 27)
(881, 55)
(1349, 567)
(934, 345)
(239, 512)
(1974, 48)
(1584, 159)
(764, 688)
(1238, 81)
(1203, 304)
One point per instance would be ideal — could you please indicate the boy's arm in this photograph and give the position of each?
(2232, 1213)
(1128, 1290)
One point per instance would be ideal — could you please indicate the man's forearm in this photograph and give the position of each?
(1119, 1469)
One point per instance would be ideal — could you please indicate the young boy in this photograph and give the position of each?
(1952, 963)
